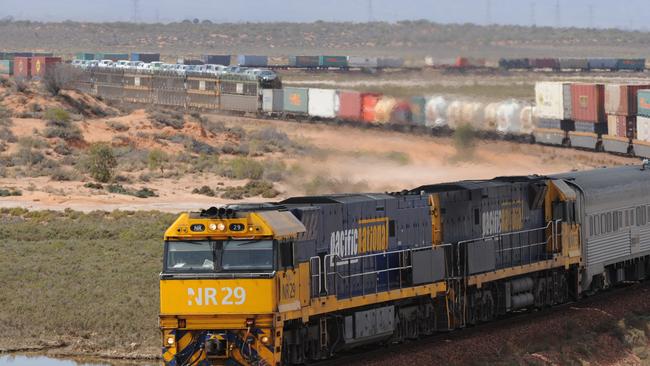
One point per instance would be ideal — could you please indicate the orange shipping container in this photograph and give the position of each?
(22, 67)
(368, 103)
(41, 65)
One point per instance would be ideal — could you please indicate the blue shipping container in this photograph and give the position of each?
(602, 63)
(253, 61)
(635, 64)
(145, 57)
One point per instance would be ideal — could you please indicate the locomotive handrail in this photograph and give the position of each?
(231, 275)
(335, 260)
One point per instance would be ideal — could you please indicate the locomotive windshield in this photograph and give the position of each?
(219, 256)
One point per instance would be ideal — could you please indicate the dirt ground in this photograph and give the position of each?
(372, 159)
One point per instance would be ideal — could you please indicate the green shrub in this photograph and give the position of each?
(7, 135)
(205, 190)
(244, 168)
(59, 125)
(92, 185)
(143, 192)
(57, 115)
(6, 192)
(167, 117)
(100, 162)
(61, 175)
(251, 189)
(157, 159)
(117, 126)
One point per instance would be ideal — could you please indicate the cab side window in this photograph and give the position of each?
(286, 254)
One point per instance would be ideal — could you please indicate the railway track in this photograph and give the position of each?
(373, 352)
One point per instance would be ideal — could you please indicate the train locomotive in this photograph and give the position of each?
(299, 280)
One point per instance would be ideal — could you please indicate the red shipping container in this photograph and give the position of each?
(349, 105)
(588, 103)
(461, 62)
(22, 67)
(42, 65)
(621, 99)
(368, 103)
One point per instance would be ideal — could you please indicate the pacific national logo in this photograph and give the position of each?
(370, 236)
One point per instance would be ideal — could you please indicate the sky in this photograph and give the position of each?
(624, 14)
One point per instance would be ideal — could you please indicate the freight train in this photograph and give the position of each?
(586, 116)
(300, 280)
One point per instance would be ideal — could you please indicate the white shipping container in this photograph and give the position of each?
(612, 98)
(364, 62)
(553, 100)
(643, 128)
(272, 100)
(323, 103)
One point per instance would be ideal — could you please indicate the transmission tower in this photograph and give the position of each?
(533, 16)
(488, 12)
(370, 17)
(591, 15)
(135, 10)
(558, 14)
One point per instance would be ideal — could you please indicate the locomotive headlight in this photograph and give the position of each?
(170, 340)
(265, 339)
(221, 226)
(213, 227)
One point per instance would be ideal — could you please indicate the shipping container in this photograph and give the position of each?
(42, 54)
(23, 67)
(192, 61)
(514, 63)
(6, 67)
(621, 99)
(390, 62)
(621, 126)
(272, 100)
(84, 56)
(145, 57)
(467, 62)
(21, 54)
(368, 103)
(545, 63)
(278, 61)
(111, 56)
(296, 100)
(362, 62)
(217, 59)
(42, 65)
(323, 103)
(643, 128)
(304, 61)
(332, 61)
(553, 100)
(349, 105)
(643, 103)
(574, 64)
(602, 63)
(252, 61)
(401, 113)
(588, 103)
(632, 64)
(418, 110)
(241, 103)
